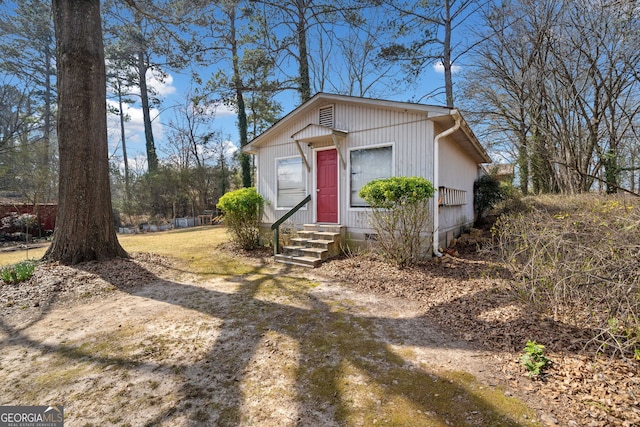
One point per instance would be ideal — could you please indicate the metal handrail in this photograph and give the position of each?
(276, 225)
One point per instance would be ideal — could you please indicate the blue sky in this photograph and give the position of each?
(171, 91)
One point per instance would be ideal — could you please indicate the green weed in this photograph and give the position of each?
(17, 273)
(534, 359)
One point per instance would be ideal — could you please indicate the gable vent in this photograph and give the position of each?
(326, 116)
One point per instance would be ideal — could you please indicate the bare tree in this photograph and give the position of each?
(426, 35)
(563, 81)
(309, 29)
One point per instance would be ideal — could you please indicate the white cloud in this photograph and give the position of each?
(230, 148)
(134, 128)
(214, 109)
(221, 110)
(161, 83)
(438, 67)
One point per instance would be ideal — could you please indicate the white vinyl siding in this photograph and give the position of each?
(365, 165)
(457, 173)
(408, 133)
(292, 181)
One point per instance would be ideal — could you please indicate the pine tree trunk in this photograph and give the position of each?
(152, 156)
(303, 66)
(446, 55)
(123, 138)
(245, 161)
(85, 227)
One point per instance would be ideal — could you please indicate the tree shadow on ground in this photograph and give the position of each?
(470, 297)
(331, 345)
(345, 372)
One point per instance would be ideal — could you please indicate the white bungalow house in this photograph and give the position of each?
(332, 145)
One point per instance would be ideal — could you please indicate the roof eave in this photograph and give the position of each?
(481, 155)
(253, 145)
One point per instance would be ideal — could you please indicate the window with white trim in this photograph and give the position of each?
(365, 165)
(292, 181)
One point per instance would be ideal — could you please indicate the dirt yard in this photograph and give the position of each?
(148, 342)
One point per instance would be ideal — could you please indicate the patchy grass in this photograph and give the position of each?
(19, 255)
(180, 242)
(195, 247)
(369, 384)
(18, 272)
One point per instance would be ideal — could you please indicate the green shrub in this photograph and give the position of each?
(389, 193)
(242, 209)
(487, 192)
(400, 213)
(17, 273)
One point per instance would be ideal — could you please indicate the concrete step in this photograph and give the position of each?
(314, 244)
(330, 228)
(320, 253)
(306, 234)
(319, 243)
(299, 241)
(326, 235)
(302, 261)
(293, 250)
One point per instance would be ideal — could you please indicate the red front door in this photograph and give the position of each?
(327, 191)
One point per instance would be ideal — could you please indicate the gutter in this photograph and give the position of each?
(436, 143)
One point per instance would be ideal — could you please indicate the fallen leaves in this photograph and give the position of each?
(470, 298)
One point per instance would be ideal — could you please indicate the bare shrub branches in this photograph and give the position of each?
(401, 232)
(577, 258)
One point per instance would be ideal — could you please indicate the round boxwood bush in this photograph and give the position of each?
(242, 209)
(388, 192)
(399, 216)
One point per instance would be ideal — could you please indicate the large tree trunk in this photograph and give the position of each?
(85, 229)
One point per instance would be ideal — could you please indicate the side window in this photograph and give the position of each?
(367, 164)
(292, 181)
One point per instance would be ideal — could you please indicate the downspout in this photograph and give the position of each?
(436, 142)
